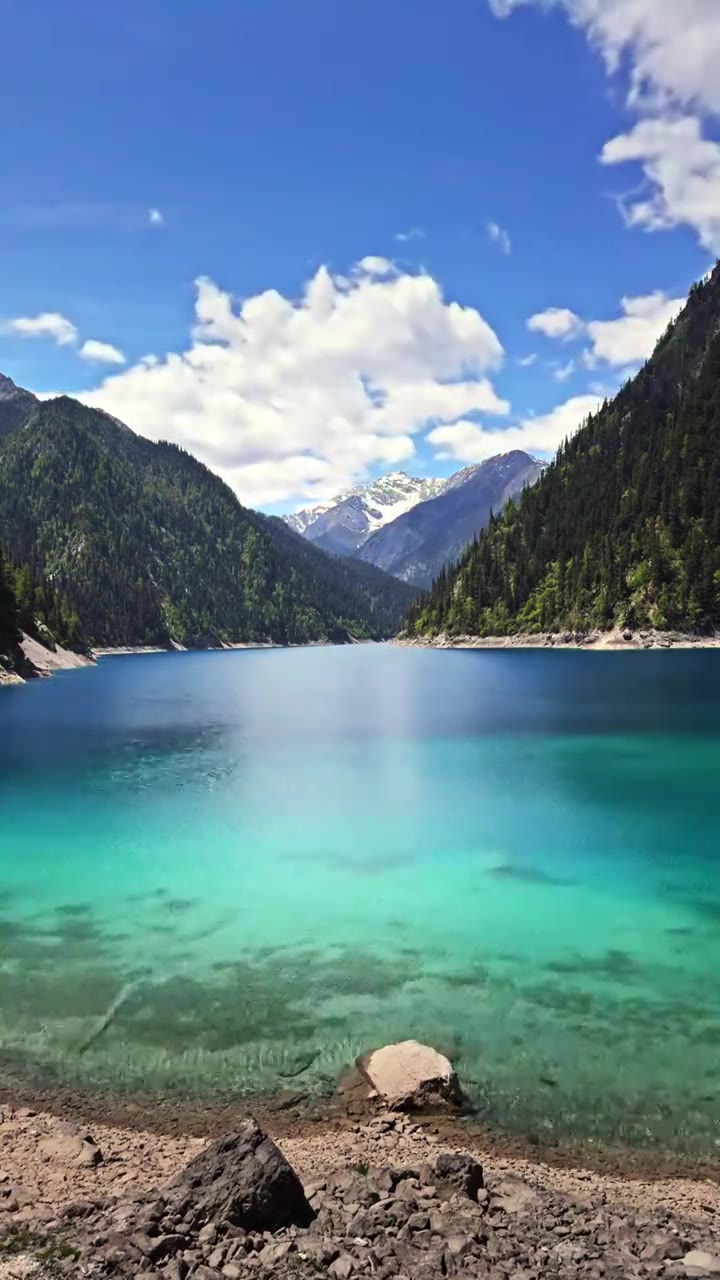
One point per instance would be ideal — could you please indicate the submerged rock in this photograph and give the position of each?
(243, 1179)
(410, 1076)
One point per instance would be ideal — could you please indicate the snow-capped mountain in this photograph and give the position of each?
(411, 527)
(302, 520)
(418, 543)
(344, 524)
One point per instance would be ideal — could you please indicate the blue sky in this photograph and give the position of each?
(506, 157)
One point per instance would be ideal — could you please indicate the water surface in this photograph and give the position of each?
(278, 859)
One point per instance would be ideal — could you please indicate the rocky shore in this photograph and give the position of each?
(35, 661)
(389, 1199)
(391, 1193)
(617, 639)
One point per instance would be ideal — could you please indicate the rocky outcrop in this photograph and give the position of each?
(411, 1076)
(243, 1180)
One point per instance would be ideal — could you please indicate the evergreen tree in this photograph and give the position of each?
(8, 604)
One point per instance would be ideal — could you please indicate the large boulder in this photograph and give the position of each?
(409, 1076)
(242, 1179)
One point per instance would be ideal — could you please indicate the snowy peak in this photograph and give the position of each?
(302, 520)
(416, 545)
(345, 523)
(412, 527)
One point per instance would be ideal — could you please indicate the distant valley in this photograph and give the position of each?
(412, 527)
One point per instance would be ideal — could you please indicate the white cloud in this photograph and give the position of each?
(49, 324)
(372, 265)
(672, 46)
(155, 218)
(670, 50)
(414, 233)
(628, 339)
(296, 399)
(556, 322)
(470, 442)
(526, 361)
(632, 338)
(500, 237)
(683, 168)
(101, 352)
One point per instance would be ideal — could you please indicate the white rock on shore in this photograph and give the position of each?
(411, 1075)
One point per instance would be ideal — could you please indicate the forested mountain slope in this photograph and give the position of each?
(36, 608)
(146, 544)
(624, 526)
(9, 619)
(16, 405)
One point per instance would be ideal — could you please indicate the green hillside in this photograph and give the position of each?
(146, 544)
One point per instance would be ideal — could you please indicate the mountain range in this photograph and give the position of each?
(623, 528)
(345, 523)
(411, 527)
(147, 546)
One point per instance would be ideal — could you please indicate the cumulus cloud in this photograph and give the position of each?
(628, 339)
(500, 237)
(101, 352)
(294, 399)
(556, 322)
(632, 338)
(48, 324)
(671, 50)
(673, 46)
(683, 170)
(467, 441)
(155, 217)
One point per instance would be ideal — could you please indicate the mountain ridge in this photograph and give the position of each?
(344, 523)
(420, 524)
(16, 405)
(148, 545)
(416, 545)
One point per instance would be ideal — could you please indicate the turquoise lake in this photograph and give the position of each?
(279, 859)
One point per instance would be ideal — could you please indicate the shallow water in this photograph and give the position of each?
(278, 859)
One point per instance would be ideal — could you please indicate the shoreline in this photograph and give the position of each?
(43, 662)
(139, 1152)
(293, 1115)
(133, 650)
(616, 640)
(39, 662)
